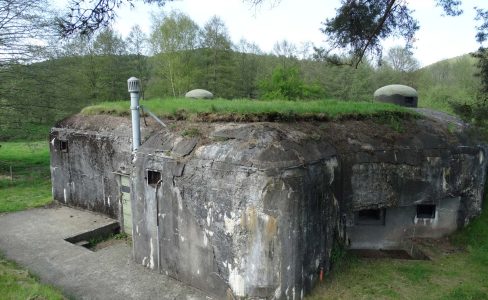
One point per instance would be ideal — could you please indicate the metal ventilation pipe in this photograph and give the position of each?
(134, 89)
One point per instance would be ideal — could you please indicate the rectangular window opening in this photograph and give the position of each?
(370, 217)
(426, 211)
(63, 146)
(153, 177)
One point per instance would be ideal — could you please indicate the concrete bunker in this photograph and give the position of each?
(254, 209)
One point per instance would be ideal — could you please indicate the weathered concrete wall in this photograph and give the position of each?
(401, 225)
(237, 217)
(83, 175)
(431, 166)
(81, 171)
(254, 210)
(402, 178)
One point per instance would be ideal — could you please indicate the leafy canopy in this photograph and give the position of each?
(360, 26)
(286, 84)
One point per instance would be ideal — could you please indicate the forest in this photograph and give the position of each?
(178, 55)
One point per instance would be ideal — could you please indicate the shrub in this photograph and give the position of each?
(287, 84)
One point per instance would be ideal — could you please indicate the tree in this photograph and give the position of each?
(482, 53)
(287, 84)
(482, 56)
(479, 110)
(247, 67)
(109, 48)
(401, 59)
(174, 32)
(449, 82)
(137, 41)
(217, 58)
(305, 50)
(359, 27)
(286, 51)
(173, 40)
(137, 45)
(23, 25)
(108, 42)
(87, 17)
(100, 65)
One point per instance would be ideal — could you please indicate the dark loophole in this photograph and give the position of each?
(409, 100)
(370, 217)
(426, 211)
(153, 177)
(63, 146)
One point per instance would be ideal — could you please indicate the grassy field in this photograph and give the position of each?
(30, 185)
(18, 283)
(437, 105)
(25, 132)
(250, 110)
(457, 276)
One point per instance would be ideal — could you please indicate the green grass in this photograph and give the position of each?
(249, 110)
(18, 283)
(442, 99)
(30, 185)
(451, 277)
(436, 105)
(25, 132)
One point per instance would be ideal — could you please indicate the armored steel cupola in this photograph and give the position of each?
(397, 94)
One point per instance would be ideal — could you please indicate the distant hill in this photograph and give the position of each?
(453, 61)
(452, 80)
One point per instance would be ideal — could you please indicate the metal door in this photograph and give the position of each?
(126, 204)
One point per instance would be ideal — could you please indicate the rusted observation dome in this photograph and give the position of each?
(397, 94)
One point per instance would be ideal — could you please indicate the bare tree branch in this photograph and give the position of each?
(375, 33)
(88, 16)
(24, 24)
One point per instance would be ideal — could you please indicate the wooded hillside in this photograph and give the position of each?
(179, 56)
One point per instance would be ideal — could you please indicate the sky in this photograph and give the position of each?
(299, 22)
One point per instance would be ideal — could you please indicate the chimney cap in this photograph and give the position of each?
(134, 85)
